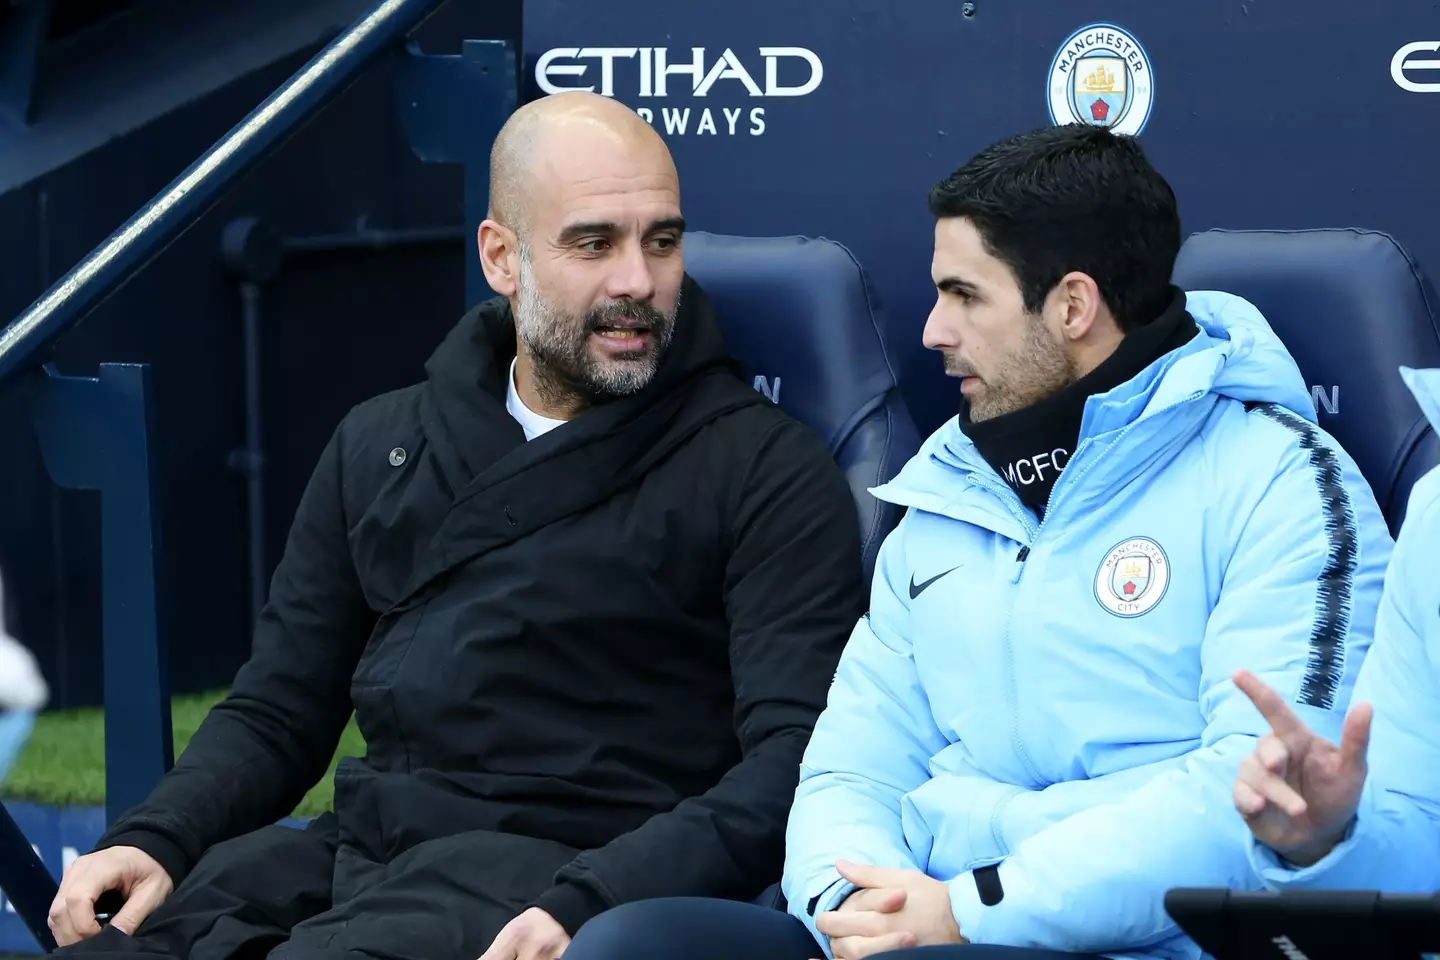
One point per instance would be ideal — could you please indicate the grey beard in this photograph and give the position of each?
(567, 375)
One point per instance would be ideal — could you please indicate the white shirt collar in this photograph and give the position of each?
(533, 423)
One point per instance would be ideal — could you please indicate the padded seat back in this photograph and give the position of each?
(799, 316)
(1352, 307)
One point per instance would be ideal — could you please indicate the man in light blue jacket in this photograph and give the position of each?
(1033, 734)
(1038, 711)
(1348, 817)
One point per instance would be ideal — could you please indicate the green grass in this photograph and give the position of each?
(64, 762)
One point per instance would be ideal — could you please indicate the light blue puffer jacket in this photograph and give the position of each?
(1395, 842)
(1055, 697)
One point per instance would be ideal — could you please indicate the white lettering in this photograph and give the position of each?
(1326, 403)
(1054, 460)
(1398, 66)
(771, 393)
(663, 70)
(675, 119)
(545, 69)
(561, 69)
(646, 77)
(607, 57)
(772, 57)
(728, 68)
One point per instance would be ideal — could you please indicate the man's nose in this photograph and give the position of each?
(631, 278)
(939, 335)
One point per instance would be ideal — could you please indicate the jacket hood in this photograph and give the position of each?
(1425, 384)
(469, 374)
(1235, 355)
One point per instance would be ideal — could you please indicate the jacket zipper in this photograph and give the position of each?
(1033, 530)
(1012, 691)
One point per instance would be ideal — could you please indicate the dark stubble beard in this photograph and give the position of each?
(568, 374)
(1040, 367)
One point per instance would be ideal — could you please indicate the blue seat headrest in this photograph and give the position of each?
(1352, 307)
(799, 316)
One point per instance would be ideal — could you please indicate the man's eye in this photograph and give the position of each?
(665, 243)
(594, 246)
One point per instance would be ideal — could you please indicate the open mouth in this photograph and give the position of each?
(629, 338)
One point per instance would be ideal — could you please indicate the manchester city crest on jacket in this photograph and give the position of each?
(1133, 577)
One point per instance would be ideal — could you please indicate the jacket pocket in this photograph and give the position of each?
(957, 819)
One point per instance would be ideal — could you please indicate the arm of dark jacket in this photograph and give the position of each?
(793, 592)
(273, 737)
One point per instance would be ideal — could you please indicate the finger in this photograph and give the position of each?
(855, 923)
(503, 948)
(59, 922)
(867, 876)
(1271, 705)
(79, 912)
(1248, 801)
(1272, 755)
(546, 948)
(1355, 738)
(878, 899)
(855, 948)
(1281, 794)
(139, 905)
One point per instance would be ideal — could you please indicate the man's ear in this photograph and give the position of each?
(499, 257)
(1077, 300)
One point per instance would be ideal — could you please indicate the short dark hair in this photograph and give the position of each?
(1074, 197)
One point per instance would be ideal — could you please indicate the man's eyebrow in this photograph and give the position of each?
(589, 228)
(956, 285)
(676, 224)
(609, 228)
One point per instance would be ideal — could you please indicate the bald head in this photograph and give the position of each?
(552, 140)
(584, 238)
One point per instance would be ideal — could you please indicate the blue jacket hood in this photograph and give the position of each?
(1236, 354)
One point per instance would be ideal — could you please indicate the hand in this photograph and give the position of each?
(140, 880)
(534, 935)
(893, 910)
(1298, 791)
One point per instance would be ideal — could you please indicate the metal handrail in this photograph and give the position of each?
(180, 204)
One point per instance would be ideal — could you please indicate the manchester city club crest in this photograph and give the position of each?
(1102, 76)
(1133, 577)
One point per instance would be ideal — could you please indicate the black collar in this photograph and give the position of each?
(1030, 448)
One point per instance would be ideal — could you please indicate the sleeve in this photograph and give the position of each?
(1296, 607)
(793, 587)
(1394, 843)
(871, 746)
(272, 738)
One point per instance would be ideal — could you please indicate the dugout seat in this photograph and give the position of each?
(799, 315)
(1352, 307)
